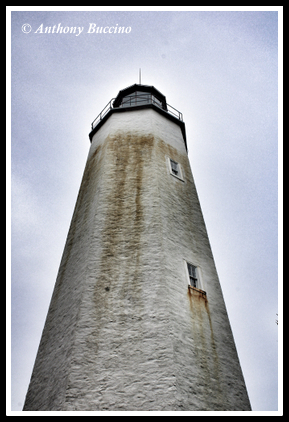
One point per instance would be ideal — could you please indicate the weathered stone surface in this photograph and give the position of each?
(123, 331)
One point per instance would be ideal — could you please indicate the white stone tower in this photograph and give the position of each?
(137, 320)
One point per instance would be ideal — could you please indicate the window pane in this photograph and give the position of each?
(136, 98)
(175, 167)
(193, 275)
(192, 270)
(193, 282)
(156, 101)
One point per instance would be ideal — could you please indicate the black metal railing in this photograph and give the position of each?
(134, 101)
(101, 115)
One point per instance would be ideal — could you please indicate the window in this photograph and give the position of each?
(135, 99)
(194, 279)
(138, 98)
(193, 275)
(175, 169)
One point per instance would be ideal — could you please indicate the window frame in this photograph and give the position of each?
(179, 167)
(199, 283)
(193, 275)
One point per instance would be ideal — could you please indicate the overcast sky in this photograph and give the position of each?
(220, 69)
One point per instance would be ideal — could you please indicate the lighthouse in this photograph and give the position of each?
(137, 319)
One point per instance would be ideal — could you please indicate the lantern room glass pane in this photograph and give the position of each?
(139, 98)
